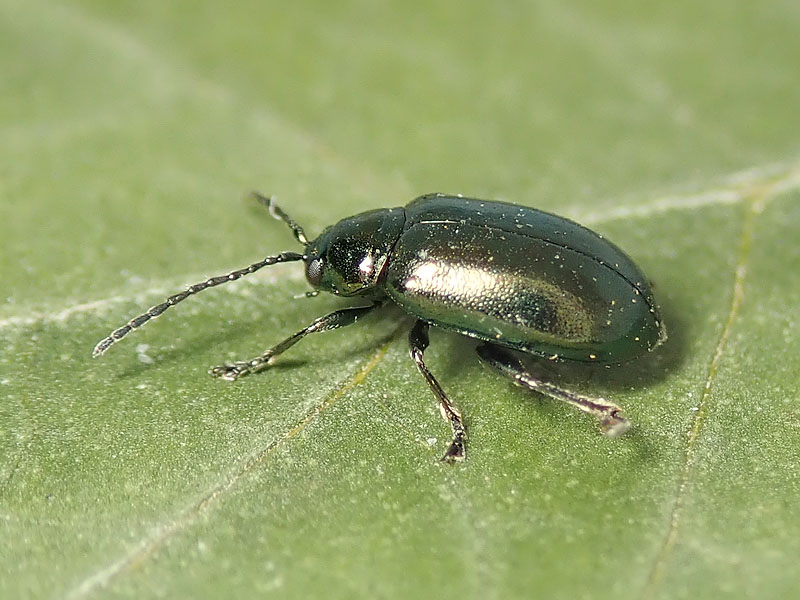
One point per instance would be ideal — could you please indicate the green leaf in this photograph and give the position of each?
(131, 131)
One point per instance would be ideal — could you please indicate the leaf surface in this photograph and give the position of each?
(130, 133)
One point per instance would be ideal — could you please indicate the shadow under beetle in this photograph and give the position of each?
(515, 278)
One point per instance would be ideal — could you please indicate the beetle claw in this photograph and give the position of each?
(614, 424)
(455, 453)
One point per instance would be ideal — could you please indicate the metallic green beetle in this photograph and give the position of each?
(515, 278)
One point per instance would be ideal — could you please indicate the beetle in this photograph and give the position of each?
(517, 279)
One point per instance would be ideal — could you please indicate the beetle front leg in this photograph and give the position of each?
(612, 421)
(418, 341)
(334, 320)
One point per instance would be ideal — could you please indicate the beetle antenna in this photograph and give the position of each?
(156, 310)
(278, 213)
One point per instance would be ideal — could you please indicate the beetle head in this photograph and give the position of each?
(348, 258)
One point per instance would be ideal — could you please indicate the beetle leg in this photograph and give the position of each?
(612, 421)
(418, 341)
(334, 320)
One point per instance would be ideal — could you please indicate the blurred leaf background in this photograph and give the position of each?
(131, 131)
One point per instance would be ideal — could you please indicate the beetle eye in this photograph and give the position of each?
(314, 271)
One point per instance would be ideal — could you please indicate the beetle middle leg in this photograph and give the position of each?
(418, 341)
(612, 421)
(334, 320)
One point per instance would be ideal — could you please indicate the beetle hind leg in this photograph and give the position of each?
(418, 341)
(612, 421)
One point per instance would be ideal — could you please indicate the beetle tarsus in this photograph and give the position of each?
(230, 372)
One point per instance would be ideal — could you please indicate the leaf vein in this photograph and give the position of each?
(757, 198)
(162, 533)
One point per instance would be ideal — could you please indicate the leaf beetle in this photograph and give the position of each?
(515, 278)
